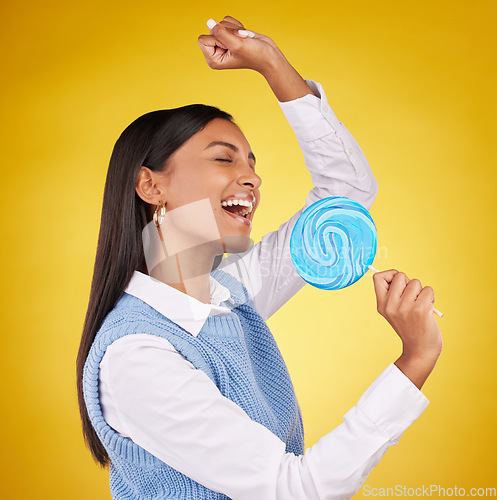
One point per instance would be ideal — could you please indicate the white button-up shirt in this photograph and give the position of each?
(150, 393)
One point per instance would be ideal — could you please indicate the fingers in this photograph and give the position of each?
(226, 36)
(207, 42)
(382, 282)
(225, 47)
(384, 278)
(395, 291)
(426, 298)
(398, 285)
(411, 292)
(389, 287)
(219, 32)
(410, 300)
(211, 40)
(211, 48)
(236, 27)
(230, 46)
(232, 21)
(413, 295)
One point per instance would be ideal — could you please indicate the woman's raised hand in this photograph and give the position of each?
(408, 307)
(226, 48)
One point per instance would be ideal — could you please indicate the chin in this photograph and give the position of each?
(237, 244)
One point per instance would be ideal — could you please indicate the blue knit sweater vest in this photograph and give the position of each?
(239, 354)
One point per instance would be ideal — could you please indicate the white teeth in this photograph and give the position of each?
(243, 203)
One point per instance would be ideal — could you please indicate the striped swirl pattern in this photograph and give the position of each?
(333, 242)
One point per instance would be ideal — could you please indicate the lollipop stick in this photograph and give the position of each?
(438, 313)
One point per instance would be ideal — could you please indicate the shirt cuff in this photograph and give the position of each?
(393, 402)
(309, 116)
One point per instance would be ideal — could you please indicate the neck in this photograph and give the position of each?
(189, 271)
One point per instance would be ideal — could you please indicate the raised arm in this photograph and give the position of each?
(335, 161)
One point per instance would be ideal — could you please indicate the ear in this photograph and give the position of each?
(150, 186)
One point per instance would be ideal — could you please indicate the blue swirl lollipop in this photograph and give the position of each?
(333, 243)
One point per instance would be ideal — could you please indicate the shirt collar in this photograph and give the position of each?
(187, 312)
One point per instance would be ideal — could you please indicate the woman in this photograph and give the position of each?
(182, 389)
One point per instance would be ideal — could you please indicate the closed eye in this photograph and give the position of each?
(233, 148)
(224, 159)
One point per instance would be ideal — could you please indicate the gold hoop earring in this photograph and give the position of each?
(159, 219)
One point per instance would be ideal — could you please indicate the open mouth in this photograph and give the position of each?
(240, 210)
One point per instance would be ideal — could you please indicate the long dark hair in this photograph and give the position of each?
(149, 141)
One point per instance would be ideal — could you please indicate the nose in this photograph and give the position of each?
(248, 177)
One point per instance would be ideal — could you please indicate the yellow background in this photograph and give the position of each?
(414, 82)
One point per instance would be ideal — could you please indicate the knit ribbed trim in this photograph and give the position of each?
(239, 293)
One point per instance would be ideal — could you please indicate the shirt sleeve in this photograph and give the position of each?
(153, 395)
(337, 166)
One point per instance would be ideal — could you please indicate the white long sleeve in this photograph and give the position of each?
(333, 157)
(175, 412)
(152, 394)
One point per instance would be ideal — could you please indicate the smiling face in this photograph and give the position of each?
(217, 164)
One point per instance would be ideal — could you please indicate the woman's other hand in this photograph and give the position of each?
(408, 307)
(226, 48)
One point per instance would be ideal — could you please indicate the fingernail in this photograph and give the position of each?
(211, 23)
(248, 33)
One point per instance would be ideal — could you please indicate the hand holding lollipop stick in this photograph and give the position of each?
(333, 243)
(436, 311)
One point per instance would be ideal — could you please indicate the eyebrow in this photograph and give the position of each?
(230, 146)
